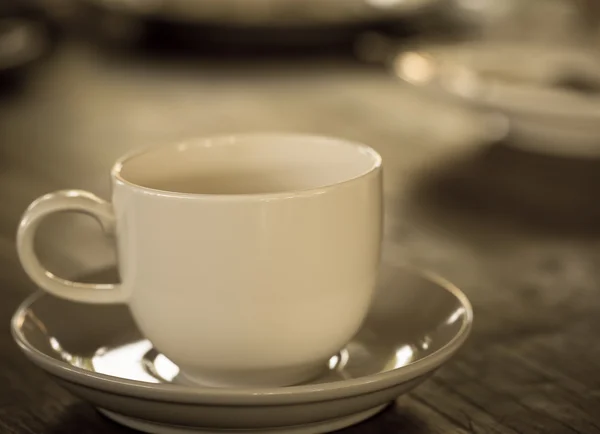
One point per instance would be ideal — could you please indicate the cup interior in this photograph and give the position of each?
(248, 164)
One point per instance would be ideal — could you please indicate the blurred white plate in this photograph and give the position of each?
(270, 12)
(549, 95)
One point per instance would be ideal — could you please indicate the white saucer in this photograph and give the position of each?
(416, 323)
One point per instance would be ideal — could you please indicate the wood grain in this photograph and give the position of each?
(517, 232)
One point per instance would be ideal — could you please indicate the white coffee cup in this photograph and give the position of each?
(247, 260)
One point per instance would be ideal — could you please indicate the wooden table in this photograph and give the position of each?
(519, 233)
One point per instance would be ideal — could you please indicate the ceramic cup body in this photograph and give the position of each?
(246, 260)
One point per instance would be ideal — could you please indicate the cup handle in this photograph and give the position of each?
(60, 201)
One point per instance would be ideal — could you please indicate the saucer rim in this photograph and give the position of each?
(253, 396)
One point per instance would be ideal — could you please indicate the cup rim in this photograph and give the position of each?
(374, 168)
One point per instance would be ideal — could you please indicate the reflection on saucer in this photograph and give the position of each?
(125, 361)
(139, 361)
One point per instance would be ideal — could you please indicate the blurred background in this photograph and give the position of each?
(485, 111)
